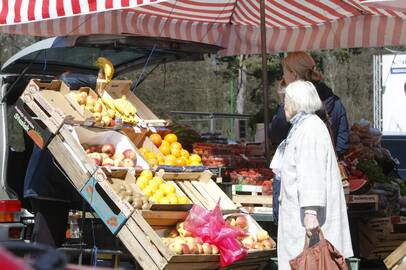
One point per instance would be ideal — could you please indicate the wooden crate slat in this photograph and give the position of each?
(178, 189)
(205, 193)
(192, 266)
(249, 199)
(397, 255)
(192, 189)
(136, 249)
(213, 188)
(194, 199)
(146, 243)
(190, 258)
(153, 236)
(78, 175)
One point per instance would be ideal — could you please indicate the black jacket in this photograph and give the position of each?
(333, 108)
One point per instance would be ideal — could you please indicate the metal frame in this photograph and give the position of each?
(378, 91)
(3, 142)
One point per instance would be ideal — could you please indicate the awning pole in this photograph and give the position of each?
(264, 78)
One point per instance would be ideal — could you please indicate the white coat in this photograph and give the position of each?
(310, 177)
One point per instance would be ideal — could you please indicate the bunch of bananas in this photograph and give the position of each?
(107, 67)
(123, 109)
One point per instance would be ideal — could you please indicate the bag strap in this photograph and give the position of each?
(307, 238)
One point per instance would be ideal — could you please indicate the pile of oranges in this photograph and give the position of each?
(171, 152)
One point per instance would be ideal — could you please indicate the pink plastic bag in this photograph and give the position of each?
(211, 227)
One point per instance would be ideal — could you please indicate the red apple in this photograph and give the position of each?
(207, 249)
(98, 107)
(81, 98)
(199, 249)
(128, 162)
(104, 155)
(248, 242)
(96, 158)
(107, 162)
(130, 154)
(262, 235)
(118, 156)
(108, 149)
(92, 148)
(214, 250)
(185, 249)
(176, 248)
(192, 248)
(173, 233)
(241, 221)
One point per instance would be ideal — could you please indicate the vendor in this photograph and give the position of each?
(46, 187)
(301, 66)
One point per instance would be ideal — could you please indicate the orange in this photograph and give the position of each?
(184, 153)
(165, 149)
(176, 145)
(146, 174)
(150, 155)
(175, 152)
(156, 139)
(170, 157)
(180, 162)
(171, 138)
(165, 143)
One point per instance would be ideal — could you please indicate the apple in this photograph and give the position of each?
(176, 248)
(257, 245)
(108, 149)
(118, 163)
(179, 240)
(98, 107)
(105, 121)
(231, 222)
(214, 250)
(191, 240)
(182, 231)
(104, 155)
(130, 154)
(118, 156)
(112, 113)
(108, 162)
(128, 162)
(192, 248)
(81, 98)
(207, 248)
(248, 242)
(92, 148)
(199, 249)
(173, 233)
(267, 244)
(186, 249)
(90, 108)
(90, 101)
(85, 146)
(241, 221)
(96, 158)
(262, 235)
(97, 116)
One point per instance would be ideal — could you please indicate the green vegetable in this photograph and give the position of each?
(372, 170)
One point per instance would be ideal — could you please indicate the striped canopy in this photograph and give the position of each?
(232, 24)
(390, 4)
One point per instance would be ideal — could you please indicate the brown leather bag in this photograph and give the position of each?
(321, 256)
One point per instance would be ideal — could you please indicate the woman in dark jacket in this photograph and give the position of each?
(301, 66)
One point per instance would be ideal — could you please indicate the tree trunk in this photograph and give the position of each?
(241, 84)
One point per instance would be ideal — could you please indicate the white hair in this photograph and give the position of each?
(301, 96)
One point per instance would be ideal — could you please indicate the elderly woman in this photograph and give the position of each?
(312, 195)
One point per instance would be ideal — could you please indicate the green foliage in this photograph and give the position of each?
(373, 171)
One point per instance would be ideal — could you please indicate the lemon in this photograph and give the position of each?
(159, 193)
(195, 163)
(141, 184)
(154, 199)
(164, 200)
(148, 191)
(195, 158)
(143, 151)
(173, 200)
(183, 200)
(147, 174)
(158, 179)
(154, 185)
(184, 153)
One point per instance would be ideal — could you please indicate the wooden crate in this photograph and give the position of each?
(119, 88)
(144, 243)
(377, 239)
(251, 195)
(396, 259)
(200, 189)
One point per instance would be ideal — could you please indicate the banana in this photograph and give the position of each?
(109, 102)
(107, 66)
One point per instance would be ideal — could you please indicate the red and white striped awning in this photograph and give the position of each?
(388, 4)
(232, 24)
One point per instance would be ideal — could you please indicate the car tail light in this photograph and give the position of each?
(10, 210)
(14, 233)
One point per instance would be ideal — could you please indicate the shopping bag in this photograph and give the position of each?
(321, 256)
(211, 227)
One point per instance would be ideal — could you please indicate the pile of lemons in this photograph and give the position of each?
(158, 191)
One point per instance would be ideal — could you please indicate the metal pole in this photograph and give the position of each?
(264, 78)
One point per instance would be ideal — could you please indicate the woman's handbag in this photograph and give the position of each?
(321, 256)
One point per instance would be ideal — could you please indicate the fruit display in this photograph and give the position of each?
(171, 152)
(256, 238)
(249, 176)
(136, 199)
(106, 111)
(158, 191)
(181, 242)
(106, 155)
